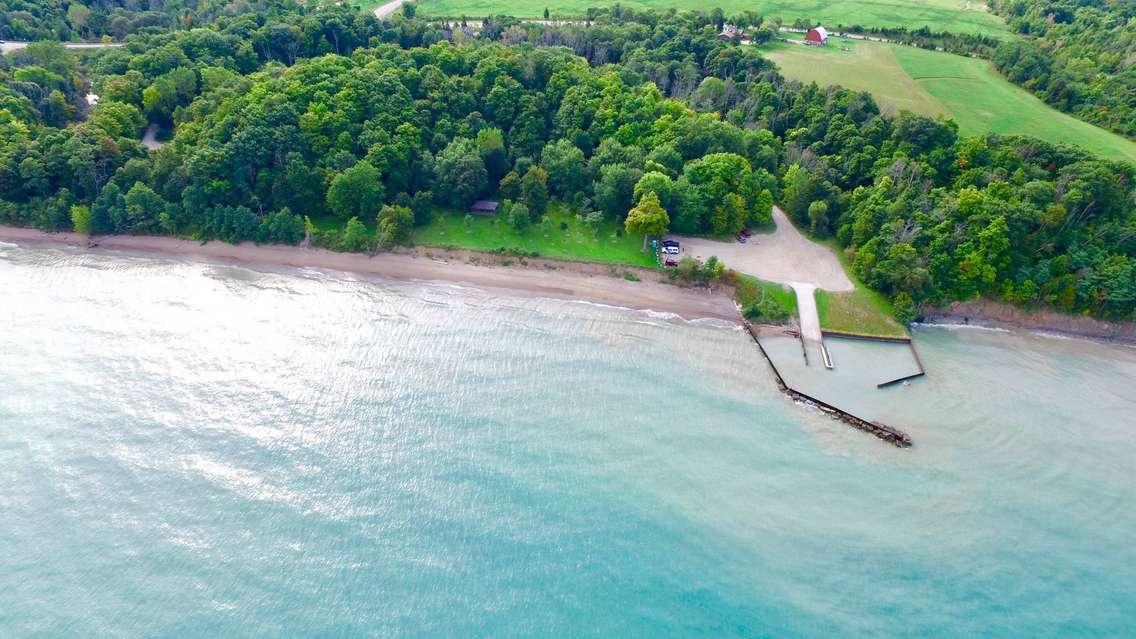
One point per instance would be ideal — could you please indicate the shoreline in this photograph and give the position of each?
(536, 277)
(999, 315)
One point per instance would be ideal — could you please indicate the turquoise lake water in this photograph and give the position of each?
(204, 450)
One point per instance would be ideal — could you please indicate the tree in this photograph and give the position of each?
(510, 186)
(117, 119)
(593, 220)
(534, 190)
(167, 92)
(143, 206)
(356, 237)
(658, 183)
(564, 163)
(761, 213)
(818, 217)
(713, 270)
(615, 188)
(281, 226)
(394, 225)
(903, 308)
(492, 146)
(519, 217)
(356, 192)
(78, 15)
(648, 218)
(729, 215)
(108, 215)
(461, 174)
(81, 219)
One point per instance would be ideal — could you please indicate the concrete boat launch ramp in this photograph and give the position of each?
(787, 257)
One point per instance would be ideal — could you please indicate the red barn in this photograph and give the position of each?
(816, 36)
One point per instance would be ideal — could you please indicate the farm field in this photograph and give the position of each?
(868, 67)
(957, 16)
(969, 90)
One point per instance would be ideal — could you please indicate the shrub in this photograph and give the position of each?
(766, 309)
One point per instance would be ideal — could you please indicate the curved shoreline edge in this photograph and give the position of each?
(993, 314)
(537, 277)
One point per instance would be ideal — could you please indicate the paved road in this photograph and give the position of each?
(8, 47)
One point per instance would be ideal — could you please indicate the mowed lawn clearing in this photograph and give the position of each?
(933, 83)
(577, 242)
(865, 68)
(956, 16)
(862, 312)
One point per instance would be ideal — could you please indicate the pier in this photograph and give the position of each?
(887, 433)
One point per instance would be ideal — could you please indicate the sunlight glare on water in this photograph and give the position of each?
(198, 449)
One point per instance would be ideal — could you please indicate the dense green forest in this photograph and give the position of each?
(367, 129)
(95, 19)
(1077, 55)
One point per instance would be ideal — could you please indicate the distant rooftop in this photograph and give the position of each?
(484, 206)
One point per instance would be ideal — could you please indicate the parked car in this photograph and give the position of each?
(670, 247)
(744, 232)
(741, 238)
(670, 262)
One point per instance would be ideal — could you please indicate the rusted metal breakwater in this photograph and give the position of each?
(883, 431)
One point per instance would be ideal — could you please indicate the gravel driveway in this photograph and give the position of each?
(784, 256)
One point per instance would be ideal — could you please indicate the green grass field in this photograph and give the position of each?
(576, 243)
(956, 16)
(934, 83)
(862, 311)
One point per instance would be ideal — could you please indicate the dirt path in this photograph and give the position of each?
(384, 10)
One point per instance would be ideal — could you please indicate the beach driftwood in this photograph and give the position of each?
(880, 430)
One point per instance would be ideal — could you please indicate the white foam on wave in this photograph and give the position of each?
(1050, 335)
(651, 313)
(957, 327)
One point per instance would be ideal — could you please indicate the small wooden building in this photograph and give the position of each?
(484, 207)
(729, 32)
(816, 36)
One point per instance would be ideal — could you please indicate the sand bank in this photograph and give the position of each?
(996, 314)
(537, 277)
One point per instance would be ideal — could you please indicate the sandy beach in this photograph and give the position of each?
(598, 283)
